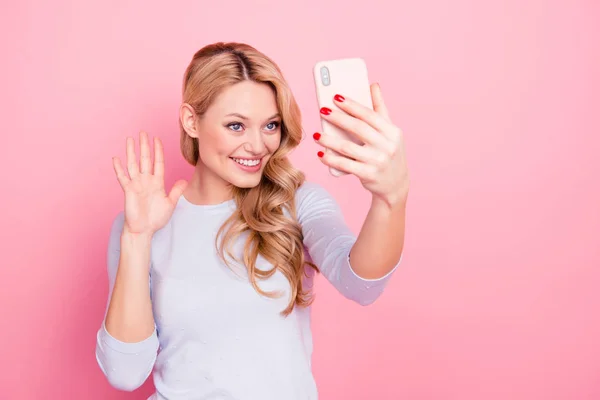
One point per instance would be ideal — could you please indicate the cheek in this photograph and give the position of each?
(216, 144)
(272, 142)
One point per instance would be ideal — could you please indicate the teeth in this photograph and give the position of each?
(248, 163)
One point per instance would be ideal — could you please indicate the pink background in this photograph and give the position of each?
(499, 294)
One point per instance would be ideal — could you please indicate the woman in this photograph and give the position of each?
(210, 285)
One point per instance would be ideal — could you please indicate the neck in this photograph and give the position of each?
(206, 188)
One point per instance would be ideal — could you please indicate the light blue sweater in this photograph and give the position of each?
(215, 336)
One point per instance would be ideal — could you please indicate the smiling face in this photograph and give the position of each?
(238, 134)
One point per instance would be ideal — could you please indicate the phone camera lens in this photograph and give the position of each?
(325, 76)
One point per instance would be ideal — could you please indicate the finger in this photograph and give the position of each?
(120, 172)
(132, 166)
(159, 161)
(357, 110)
(145, 161)
(344, 147)
(177, 190)
(378, 103)
(341, 163)
(354, 126)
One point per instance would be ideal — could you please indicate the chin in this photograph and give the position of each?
(245, 183)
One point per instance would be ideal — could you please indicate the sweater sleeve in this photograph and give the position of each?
(125, 365)
(329, 240)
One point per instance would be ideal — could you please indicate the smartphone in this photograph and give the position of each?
(348, 77)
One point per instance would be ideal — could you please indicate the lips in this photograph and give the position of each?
(247, 161)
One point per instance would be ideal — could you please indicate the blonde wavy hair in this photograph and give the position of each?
(260, 210)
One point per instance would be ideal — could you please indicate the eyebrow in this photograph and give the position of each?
(246, 118)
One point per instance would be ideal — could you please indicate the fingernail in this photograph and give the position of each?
(339, 97)
(320, 154)
(317, 136)
(325, 111)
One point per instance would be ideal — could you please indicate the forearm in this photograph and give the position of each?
(129, 317)
(381, 240)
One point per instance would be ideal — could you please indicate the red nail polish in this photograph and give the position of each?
(339, 97)
(320, 154)
(325, 111)
(317, 136)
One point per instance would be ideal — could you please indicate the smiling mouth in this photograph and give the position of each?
(247, 162)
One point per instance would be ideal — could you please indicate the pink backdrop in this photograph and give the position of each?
(499, 294)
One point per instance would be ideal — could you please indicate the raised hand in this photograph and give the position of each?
(147, 206)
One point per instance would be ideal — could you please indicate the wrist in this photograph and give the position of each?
(391, 201)
(129, 237)
(135, 253)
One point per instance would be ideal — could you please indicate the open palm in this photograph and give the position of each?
(147, 205)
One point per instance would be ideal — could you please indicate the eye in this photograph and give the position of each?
(235, 126)
(271, 126)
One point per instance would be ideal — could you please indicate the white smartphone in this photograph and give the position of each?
(348, 77)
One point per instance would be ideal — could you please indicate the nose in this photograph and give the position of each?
(255, 143)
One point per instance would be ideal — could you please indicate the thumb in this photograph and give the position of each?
(177, 190)
(378, 103)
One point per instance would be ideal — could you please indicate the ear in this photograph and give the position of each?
(188, 119)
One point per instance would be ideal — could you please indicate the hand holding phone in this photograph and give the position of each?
(348, 77)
